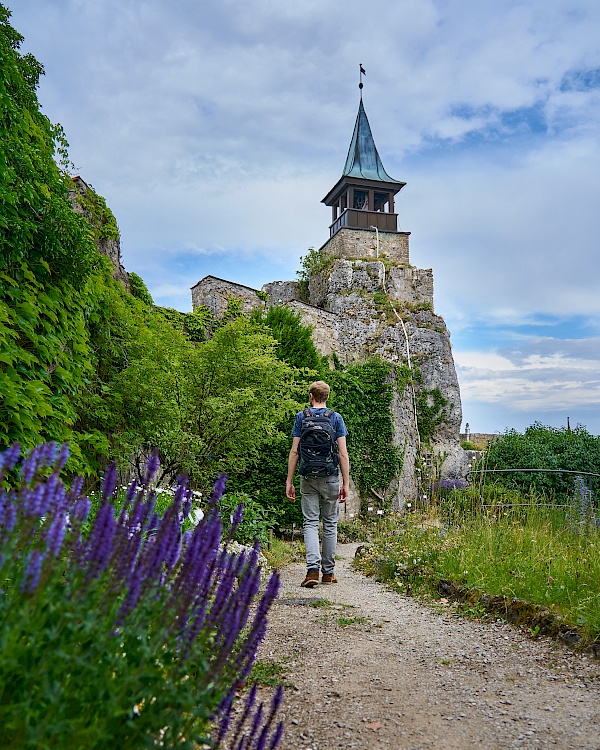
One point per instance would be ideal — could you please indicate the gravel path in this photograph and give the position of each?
(374, 669)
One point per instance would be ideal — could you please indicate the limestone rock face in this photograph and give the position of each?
(111, 248)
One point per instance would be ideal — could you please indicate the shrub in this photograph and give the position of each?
(541, 447)
(128, 634)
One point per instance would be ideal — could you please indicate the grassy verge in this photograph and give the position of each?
(540, 554)
(280, 553)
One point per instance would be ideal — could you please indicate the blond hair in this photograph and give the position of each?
(320, 391)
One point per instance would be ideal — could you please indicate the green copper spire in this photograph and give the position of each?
(363, 160)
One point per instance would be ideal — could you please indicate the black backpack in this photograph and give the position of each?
(318, 445)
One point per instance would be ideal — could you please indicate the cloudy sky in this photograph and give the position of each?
(214, 127)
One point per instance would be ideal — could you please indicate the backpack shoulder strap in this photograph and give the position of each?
(328, 413)
(307, 412)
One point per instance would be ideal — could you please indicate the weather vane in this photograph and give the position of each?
(362, 72)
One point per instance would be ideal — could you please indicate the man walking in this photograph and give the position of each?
(319, 443)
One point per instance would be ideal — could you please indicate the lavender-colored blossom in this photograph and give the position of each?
(9, 458)
(30, 465)
(275, 704)
(248, 705)
(109, 481)
(100, 542)
(56, 534)
(218, 490)
(225, 719)
(452, 483)
(33, 569)
(10, 515)
(151, 467)
(277, 736)
(61, 459)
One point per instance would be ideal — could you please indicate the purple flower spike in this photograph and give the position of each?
(61, 460)
(32, 573)
(81, 510)
(152, 467)
(109, 481)
(277, 736)
(56, 535)
(11, 456)
(218, 489)
(31, 463)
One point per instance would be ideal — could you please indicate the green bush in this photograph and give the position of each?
(541, 447)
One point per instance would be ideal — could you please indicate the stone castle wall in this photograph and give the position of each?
(214, 293)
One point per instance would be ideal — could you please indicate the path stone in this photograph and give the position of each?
(374, 669)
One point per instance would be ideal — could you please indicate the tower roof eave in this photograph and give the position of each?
(394, 186)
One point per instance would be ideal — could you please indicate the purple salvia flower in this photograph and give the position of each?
(31, 577)
(225, 711)
(61, 459)
(257, 721)
(75, 490)
(49, 490)
(187, 504)
(277, 736)
(275, 704)
(10, 514)
(11, 456)
(49, 454)
(31, 463)
(131, 490)
(33, 500)
(151, 467)
(56, 534)
(100, 542)
(109, 481)
(133, 594)
(218, 489)
(248, 705)
(81, 510)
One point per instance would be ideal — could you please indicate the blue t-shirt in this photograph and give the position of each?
(336, 419)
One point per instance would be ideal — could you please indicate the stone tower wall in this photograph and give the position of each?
(362, 243)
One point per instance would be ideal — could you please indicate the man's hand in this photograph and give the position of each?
(290, 491)
(344, 492)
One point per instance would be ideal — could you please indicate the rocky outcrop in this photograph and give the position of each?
(108, 244)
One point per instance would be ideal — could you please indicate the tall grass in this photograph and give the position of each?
(513, 546)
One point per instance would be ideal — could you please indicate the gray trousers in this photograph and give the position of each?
(320, 498)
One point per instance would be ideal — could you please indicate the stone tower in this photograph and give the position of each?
(362, 203)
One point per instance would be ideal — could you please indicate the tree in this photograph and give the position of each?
(541, 447)
(208, 407)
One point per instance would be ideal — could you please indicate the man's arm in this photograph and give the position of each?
(290, 490)
(345, 468)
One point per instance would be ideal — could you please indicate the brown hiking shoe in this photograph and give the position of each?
(311, 580)
(328, 578)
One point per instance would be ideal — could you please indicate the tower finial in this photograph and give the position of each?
(362, 72)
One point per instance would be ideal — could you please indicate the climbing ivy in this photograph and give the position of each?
(431, 412)
(363, 394)
(138, 288)
(102, 219)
